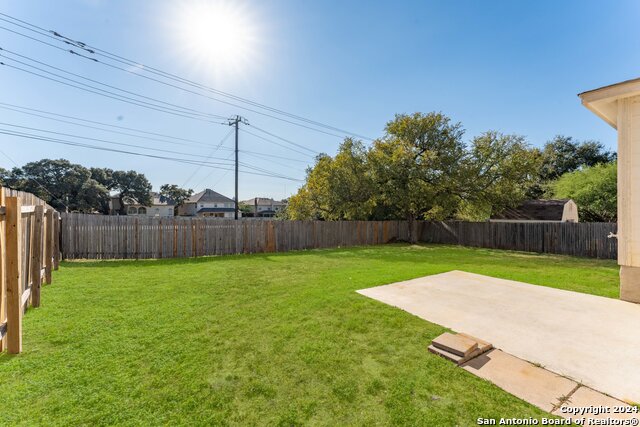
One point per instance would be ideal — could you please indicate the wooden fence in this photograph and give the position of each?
(121, 237)
(29, 251)
(587, 239)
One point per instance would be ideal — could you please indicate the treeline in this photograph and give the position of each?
(72, 187)
(422, 169)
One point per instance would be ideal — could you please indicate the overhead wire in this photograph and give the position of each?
(178, 110)
(162, 137)
(216, 148)
(178, 107)
(124, 144)
(174, 159)
(109, 94)
(146, 68)
(253, 167)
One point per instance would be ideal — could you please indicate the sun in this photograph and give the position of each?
(219, 35)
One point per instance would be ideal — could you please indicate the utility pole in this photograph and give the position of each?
(235, 122)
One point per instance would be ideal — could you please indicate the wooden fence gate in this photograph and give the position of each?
(29, 251)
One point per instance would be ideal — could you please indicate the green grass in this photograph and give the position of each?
(270, 339)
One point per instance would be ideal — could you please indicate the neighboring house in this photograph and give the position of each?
(540, 211)
(160, 206)
(210, 204)
(262, 207)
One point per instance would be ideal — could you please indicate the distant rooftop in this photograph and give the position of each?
(208, 196)
(535, 210)
(263, 201)
(156, 200)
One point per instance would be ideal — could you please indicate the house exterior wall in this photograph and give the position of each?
(225, 215)
(154, 210)
(628, 180)
(619, 105)
(191, 209)
(187, 209)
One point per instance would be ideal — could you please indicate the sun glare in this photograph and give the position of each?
(216, 34)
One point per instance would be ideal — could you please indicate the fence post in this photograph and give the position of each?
(3, 273)
(14, 273)
(57, 235)
(36, 256)
(48, 245)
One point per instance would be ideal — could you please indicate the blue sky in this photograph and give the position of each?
(511, 66)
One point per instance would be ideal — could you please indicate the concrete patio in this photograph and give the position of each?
(592, 340)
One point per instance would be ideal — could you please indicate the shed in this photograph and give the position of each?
(563, 210)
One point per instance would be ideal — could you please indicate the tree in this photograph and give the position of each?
(247, 210)
(130, 184)
(337, 187)
(594, 189)
(5, 176)
(415, 167)
(60, 183)
(420, 169)
(175, 193)
(312, 199)
(499, 170)
(563, 154)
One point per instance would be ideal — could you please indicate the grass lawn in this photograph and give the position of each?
(268, 339)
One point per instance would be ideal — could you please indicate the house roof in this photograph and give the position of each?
(263, 201)
(535, 210)
(208, 196)
(207, 210)
(156, 200)
(159, 199)
(603, 101)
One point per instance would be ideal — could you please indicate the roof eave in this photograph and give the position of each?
(603, 101)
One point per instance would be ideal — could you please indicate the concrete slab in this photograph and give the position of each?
(530, 383)
(456, 344)
(449, 356)
(587, 399)
(483, 345)
(459, 360)
(594, 340)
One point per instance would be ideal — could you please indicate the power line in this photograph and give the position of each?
(265, 155)
(102, 140)
(179, 107)
(256, 168)
(210, 173)
(114, 57)
(216, 148)
(109, 94)
(272, 161)
(178, 140)
(284, 140)
(174, 159)
(146, 138)
(277, 143)
(112, 96)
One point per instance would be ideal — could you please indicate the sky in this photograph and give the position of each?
(510, 66)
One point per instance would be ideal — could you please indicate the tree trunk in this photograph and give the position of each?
(122, 210)
(413, 232)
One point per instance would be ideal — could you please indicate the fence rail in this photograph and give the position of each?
(29, 251)
(586, 239)
(121, 237)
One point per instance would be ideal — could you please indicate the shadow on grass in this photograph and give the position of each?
(266, 256)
